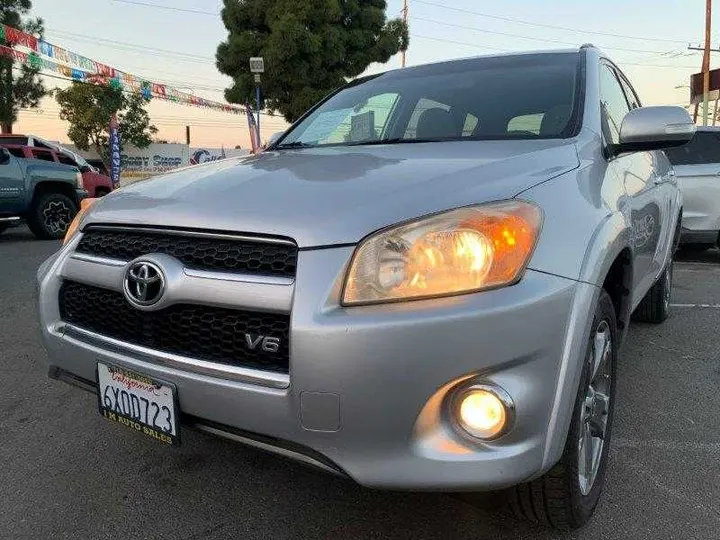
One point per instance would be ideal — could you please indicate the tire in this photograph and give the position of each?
(50, 215)
(655, 307)
(565, 498)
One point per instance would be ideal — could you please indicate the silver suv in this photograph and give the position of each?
(697, 168)
(423, 284)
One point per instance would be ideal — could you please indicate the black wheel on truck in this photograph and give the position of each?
(50, 215)
(566, 496)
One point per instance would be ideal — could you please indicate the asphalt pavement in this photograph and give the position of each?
(67, 473)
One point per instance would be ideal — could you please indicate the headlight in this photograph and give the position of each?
(460, 251)
(75, 223)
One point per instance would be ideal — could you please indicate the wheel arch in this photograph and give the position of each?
(53, 186)
(608, 264)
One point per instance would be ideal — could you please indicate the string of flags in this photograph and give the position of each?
(51, 58)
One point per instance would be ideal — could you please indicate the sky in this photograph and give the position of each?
(176, 43)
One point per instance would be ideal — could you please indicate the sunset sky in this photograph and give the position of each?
(176, 44)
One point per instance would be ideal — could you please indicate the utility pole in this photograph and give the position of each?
(187, 135)
(405, 12)
(706, 60)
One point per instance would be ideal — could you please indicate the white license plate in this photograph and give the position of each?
(139, 402)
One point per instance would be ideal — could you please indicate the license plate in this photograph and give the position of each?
(139, 402)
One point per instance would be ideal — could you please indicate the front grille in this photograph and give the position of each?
(198, 252)
(201, 332)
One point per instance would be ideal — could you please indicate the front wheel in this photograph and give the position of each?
(565, 497)
(50, 215)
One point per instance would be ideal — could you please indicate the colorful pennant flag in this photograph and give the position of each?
(80, 68)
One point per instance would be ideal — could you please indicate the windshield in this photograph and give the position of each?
(513, 97)
(79, 160)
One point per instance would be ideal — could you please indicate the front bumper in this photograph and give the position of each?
(80, 194)
(366, 384)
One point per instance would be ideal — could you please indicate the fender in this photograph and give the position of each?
(39, 173)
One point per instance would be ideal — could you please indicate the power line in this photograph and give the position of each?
(128, 44)
(540, 25)
(478, 46)
(475, 29)
(69, 79)
(145, 52)
(169, 8)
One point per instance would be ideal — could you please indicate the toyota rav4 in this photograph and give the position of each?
(423, 284)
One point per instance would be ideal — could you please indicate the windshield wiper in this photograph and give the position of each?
(295, 144)
(400, 140)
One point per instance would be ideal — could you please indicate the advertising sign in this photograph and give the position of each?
(696, 86)
(114, 152)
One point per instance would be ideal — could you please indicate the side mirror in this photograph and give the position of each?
(4, 156)
(274, 137)
(654, 128)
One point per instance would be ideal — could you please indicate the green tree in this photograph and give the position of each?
(310, 47)
(88, 109)
(22, 88)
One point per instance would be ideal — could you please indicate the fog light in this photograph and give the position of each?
(483, 411)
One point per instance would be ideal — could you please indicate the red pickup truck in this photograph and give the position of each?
(23, 146)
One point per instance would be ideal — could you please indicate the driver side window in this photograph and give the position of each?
(613, 104)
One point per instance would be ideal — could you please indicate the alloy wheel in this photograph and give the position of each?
(57, 217)
(595, 409)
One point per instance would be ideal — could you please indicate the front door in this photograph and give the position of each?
(644, 204)
(12, 186)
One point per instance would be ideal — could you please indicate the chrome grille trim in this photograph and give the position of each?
(239, 278)
(218, 289)
(104, 261)
(77, 335)
(192, 233)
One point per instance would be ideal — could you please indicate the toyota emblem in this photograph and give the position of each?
(144, 284)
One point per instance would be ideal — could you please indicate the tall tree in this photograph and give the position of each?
(22, 88)
(310, 47)
(88, 109)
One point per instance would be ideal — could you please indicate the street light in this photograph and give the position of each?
(257, 66)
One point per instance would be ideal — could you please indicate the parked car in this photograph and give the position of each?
(99, 166)
(423, 284)
(697, 169)
(46, 195)
(96, 184)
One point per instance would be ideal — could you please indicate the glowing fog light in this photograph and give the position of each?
(483, 411)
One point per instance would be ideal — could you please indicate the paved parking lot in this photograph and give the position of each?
(66, 473)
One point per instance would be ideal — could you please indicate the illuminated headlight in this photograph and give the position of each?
(460, 251)
(482, 411)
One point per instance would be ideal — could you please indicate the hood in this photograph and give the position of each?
(336, 195)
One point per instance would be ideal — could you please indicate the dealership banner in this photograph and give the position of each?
(53, 59)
